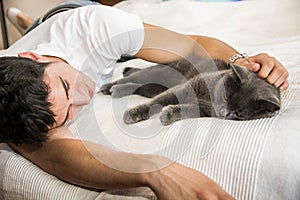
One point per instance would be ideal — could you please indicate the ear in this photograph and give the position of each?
(271, 99)
(240, 72)
(268, 105)
(33, 56)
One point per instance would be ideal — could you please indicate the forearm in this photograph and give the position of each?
(164, 46)
(102, 168)
(212, 47)
(91, 165)
(95, 166)
(81, 167)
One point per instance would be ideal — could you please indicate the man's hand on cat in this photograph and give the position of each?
(267, 67)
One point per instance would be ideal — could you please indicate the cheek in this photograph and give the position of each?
(76, 82)
(80, 88)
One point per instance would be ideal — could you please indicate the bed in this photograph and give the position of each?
(251, 160)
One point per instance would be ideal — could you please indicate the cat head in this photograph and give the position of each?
(243, 95)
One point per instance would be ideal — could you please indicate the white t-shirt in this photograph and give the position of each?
(90, 38)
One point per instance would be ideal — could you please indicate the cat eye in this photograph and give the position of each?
(226, 98)
(237, 114)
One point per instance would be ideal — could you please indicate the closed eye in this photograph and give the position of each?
(66, 86)
(226, 98)
(238, 114)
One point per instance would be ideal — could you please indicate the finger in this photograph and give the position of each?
(252, 66)
(226, 196)
(277, 78)
(246, 63)
(241, 62)
(259, 57)
(284, 86)
(266, 64)
(266, 69)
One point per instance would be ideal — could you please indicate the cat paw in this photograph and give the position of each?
(105, 89)
(135, 115)
(121, 90)
(169, 115)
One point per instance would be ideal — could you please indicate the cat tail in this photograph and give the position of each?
(129, 70)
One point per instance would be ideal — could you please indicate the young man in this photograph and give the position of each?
(80, 48)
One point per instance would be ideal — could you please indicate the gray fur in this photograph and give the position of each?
(197, 88)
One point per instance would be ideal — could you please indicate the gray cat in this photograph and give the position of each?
(191, 88)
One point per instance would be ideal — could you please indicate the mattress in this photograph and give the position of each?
(256, 159)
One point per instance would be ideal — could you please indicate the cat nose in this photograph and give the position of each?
(223, 112)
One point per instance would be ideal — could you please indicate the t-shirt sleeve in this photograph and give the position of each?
(90, 38)
(98, 32)
(114, 31)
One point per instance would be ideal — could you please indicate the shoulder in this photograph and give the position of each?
(99, 16)
(101, 10)
(60, 133)
(30, 151)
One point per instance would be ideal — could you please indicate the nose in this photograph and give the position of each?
(77, 103)
(79, 99)
(223, 112)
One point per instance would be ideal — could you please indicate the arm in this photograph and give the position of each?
(163, 46)
(82, 164)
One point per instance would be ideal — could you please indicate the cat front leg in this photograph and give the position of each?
(105, 89)
(172, 96)
(144, 111)
(136, 114)
(121, 90)
(173, 113)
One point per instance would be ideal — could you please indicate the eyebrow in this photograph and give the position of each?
(67, 95)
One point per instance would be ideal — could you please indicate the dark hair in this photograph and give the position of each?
(25, 114)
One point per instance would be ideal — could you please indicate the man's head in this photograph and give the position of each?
(38, 94)
(25, 114)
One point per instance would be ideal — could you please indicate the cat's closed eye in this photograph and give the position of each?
(237, 114)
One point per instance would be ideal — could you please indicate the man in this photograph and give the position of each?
(90, 40)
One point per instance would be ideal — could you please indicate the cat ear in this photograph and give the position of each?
(268, 105)
(272, 100)
(240, 72)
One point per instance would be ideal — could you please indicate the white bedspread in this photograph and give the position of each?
(257, 159)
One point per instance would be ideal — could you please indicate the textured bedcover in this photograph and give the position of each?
(251, 160)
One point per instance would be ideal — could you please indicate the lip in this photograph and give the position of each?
(91, 92)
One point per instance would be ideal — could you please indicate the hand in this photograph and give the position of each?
(178, 182)
(268, 68)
